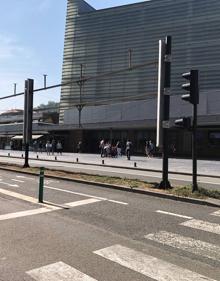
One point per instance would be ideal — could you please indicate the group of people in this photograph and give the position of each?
(109, 150)
(149, 148)
(50, 147)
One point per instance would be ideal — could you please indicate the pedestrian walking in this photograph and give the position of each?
(59, 148)
(101, 146)
(48, 147)
(53, 146)
(79, 147)
(118, 146)
(147, 149)
(40, 146)
(152, 148)
(128, 149)
(35, 146)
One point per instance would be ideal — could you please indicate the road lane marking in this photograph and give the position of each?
(186, 244)
(24, 177)
(148, 265)
(19, 196)
(46, 209)
(217, 213)
(85, 195)
(173, 214)
(57, 272)
(82, 202)
(27, 213)
(8, 184)
(17, 180)
(203, 225)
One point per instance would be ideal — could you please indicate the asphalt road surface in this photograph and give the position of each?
(88, 233)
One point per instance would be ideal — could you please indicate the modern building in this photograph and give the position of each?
(123, 105)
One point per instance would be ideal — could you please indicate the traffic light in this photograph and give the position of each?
(184, 122)
(192, 87)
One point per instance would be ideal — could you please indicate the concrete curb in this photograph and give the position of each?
(112, 166)
(123, 188)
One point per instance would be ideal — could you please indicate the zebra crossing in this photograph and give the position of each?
(143, 263)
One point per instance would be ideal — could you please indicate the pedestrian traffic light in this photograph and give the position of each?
(184, 122)
(192, 87)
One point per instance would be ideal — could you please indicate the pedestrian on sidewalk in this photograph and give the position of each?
(59, 148)
(48, 147)
(101, 146)
(128, 149)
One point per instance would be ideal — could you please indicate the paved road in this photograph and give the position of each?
(91, 233)
(117, 170)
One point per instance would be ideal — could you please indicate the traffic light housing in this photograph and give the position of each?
(184, 122)
(192, 87)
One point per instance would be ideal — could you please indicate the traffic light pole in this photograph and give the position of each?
(194, 148)
(166, 114)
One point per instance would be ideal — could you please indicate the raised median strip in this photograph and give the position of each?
(125, 185)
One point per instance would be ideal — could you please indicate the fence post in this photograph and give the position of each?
(41, 185)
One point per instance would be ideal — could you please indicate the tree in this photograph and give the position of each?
(50, 106)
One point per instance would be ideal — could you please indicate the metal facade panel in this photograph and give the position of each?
(100, 40)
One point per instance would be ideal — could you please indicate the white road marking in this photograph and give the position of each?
(203, 225)
(19, 196)
(17, 180)
(173, 214)
(58, 272)
(24, 177)
(82, 202)
(46, 209)
(217, 213)
(85, 195)
(27, 213)
(187, 244)
(8, 184)
(148, 265)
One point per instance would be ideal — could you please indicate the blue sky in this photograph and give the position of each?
(31, 44)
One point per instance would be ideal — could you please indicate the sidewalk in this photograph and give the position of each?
(205, 167)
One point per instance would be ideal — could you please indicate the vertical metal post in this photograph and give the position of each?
(15, 88)
(166, 112)
(81, 84)
(45, 80)
(25, 124)
(41, 185)
(28, 117)
(194, 148)
(160, 94)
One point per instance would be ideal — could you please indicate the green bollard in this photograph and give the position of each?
(41, 185)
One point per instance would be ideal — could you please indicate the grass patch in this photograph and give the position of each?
(184, 191)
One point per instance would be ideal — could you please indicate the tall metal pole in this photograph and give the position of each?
(28, 117)
(80, 83)
(15, 88)
(194, 148)
(45, 80)
(25, 124)
(165, 182)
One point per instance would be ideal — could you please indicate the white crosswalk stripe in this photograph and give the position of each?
(186, 244)
(148, 265)
(217, 213)
(203, 225)
(58, 272)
